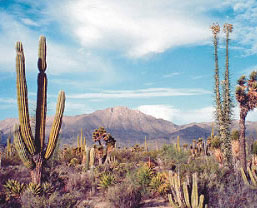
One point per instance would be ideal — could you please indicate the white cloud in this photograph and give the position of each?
(171, 75)
(178, 116)
(29, 22)
(137, 28)
(61, 58)
(141, 93)
(245, 24)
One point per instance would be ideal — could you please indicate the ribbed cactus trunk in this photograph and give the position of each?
(32, 149)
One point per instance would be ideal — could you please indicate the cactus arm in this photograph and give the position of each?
(41, 111)
(244, 177)
(194, 197)
(201, 200)
(21, 149)
(56, 125)
(41, 96)
(186, 195)
(252, 177)
(81, 139)
(22, 100)
(172, 203)
(178, 144)
(92, 157)
(42, 54)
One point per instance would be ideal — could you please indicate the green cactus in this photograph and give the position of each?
(178, 144)
(87, 152)
(179, 196)
(92, 157)
(146, 147)
(9, 146)
(252, 183)
(32, 149)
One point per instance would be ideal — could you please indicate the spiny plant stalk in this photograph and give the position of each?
(227, 102)
(246, 95)
(32, 150)
(223, 106)
(215, 31)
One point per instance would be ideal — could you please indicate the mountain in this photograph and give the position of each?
(127, 127)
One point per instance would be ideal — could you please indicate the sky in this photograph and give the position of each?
(155, 56)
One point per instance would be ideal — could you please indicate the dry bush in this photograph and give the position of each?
(55, 200)
(78, 182)
(124, 195)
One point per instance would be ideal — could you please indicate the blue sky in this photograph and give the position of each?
(155, 56)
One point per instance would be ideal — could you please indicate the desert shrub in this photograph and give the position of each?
(67, 154)
(235, 135)
(106, 180)
(14, 160)
(159, 184)
(129, 156)
(172, 158)
(216, 142)
(143, 177)
(254, 148)
(55, 200)
(74, 162)
(124, 195)
(78, 182)
(233, 193)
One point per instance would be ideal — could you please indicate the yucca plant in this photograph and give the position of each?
(246, 95)
(159, 184)
(32, 149)
(47, 188)
(106, 180)
(13, 189)
(35, 189)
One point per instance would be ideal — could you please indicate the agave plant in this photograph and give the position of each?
(13, 189)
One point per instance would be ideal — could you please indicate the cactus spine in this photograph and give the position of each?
(31, 149)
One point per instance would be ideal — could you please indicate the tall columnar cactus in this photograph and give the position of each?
(32, 150)
(246, 95)
(146, 147)
(9, 146)
(178, 144)
(180, 198)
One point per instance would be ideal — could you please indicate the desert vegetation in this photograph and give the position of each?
(217, 171)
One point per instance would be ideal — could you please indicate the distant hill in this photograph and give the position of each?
(127, 127)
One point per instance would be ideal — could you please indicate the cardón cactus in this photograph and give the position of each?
(32, 150)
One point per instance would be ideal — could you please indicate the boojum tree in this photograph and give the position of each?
(223, 103)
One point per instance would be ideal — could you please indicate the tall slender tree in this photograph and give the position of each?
(246, 95)
(215, 31)
(223, 103)
(227, 101)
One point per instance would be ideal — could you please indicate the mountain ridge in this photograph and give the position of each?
(127, 126)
